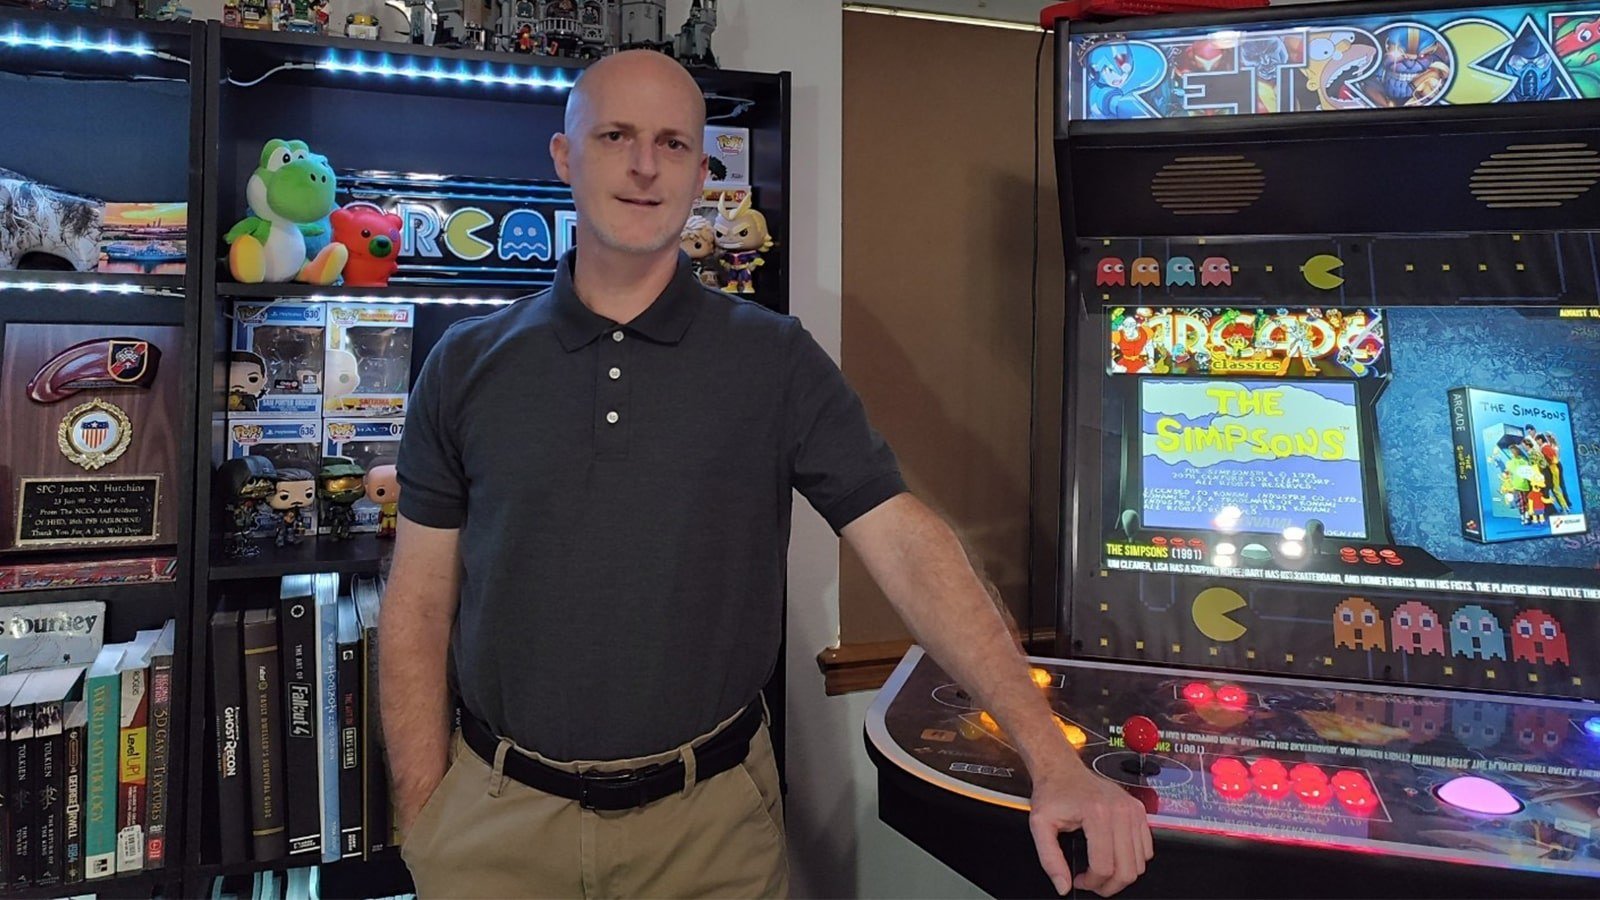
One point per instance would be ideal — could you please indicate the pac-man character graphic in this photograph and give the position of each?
(1210, 612)
(1423, 720)
(1537, 637)
(1216, 270)
(1358, 625)
(1476, 634)
(1540, 727)
(1180, 272)
(524, 234)
(1321, 271)
(1416, 628)
(1478, 724)
(1110, 272)
(1146, 272)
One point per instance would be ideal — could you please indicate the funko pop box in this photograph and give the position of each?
(368, 359)
(729, 150)
(367, 443)
(276, 365)
(289, 443)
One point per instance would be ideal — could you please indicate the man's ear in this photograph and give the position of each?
(560, 147)
(705, 171)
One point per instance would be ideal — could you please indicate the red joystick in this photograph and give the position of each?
(1141, 736)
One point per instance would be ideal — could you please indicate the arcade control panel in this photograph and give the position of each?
(1451, 777)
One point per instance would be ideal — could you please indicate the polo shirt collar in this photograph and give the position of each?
(664, 321)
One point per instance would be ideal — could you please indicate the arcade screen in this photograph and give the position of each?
(1394, 484)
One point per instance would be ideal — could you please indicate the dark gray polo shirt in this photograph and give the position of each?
(623, 495)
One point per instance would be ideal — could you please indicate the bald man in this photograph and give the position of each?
(596, 487)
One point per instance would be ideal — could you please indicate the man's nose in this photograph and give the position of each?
(644, 158)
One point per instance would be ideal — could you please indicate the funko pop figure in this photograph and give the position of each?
(244, 482)
(294, 490)
(742, 236)
(247, 380)
(383, 488)
(1358, 625)
(340, 484)
(699, 243)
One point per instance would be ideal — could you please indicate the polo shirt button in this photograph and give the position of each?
(612, 417)
(615, 373)
(616, 336)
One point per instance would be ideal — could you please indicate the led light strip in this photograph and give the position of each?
(459, 72)
(48, 41)
(948, 18)
(437, 301)
(89, 287)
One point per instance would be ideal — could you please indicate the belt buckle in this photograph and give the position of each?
(626, 782)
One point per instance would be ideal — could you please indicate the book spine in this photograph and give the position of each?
(263, 728)
(8, 802)
(227, 704)
(133, 769)
(50, 747)
(155, 843)
(350, 750)
(1466, 463)
(20, 847)
(303, 801)
(76, 740)
(375, 824)
(104, 696)
(328, 721)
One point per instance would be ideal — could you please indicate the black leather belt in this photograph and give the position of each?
(627, 789)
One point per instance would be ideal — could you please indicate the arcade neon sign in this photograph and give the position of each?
(1506, 54)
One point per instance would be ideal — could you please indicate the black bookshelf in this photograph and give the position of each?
(191, 105)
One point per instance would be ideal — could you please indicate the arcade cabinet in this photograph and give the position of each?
(1332, 430)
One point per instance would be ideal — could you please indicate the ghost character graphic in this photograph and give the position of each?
(1146, 273)
(524, 234)
(1110, 272)
(1537, 637)
(1358, 625)
(1540, 727)
(1216, 270)
(1476, 634)
(1416, 628)
(1180, 271)
(1478, 724)
(1423, 720)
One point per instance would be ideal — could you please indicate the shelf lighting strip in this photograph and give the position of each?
(459, 72)
(425, 301)
(88, 287)
(47, 39)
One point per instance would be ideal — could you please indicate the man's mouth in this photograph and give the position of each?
(640, 201)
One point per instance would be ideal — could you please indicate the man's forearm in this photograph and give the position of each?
(415, 700)
(930, 582)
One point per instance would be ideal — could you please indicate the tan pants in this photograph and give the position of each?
(481, 834)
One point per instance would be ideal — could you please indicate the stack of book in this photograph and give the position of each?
(88, 749)
(299, 766)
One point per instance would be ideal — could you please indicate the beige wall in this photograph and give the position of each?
(938, 190)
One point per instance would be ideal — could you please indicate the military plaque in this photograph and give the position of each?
(89, 448)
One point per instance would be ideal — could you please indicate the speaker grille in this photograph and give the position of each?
(1534, 176)
(1207, 185)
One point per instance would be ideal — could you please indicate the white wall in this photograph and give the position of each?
(838, 848)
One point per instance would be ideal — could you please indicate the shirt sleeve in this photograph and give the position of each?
(433, 482)
(837, 461)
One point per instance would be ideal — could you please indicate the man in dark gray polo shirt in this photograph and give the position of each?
(596, 485)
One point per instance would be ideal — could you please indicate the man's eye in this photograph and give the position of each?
(676, 144)
(612, 136)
